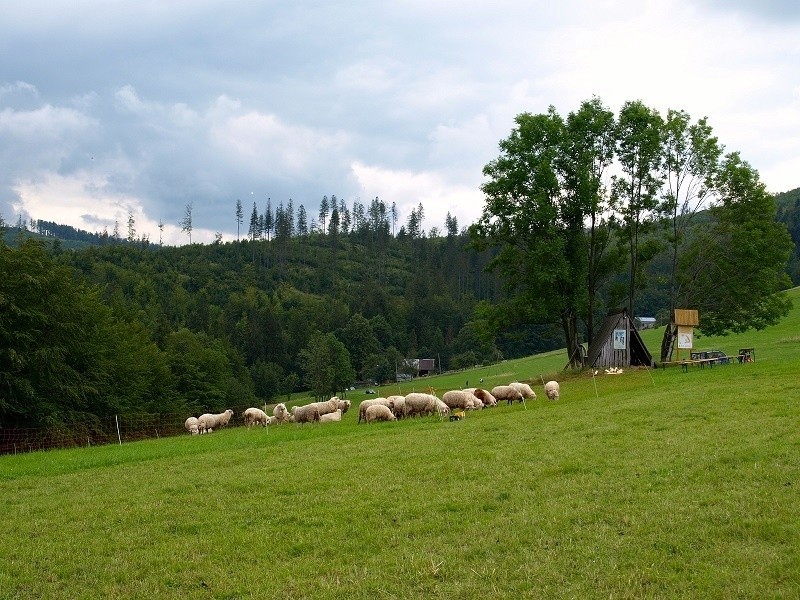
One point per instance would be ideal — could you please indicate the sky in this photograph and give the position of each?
(145, 108)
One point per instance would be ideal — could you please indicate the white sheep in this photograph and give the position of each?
(365, 404)
(208, 422)
(485, 397)
(398, 406)
(420, 404)
(255, 416)
(305, 414)
(524, 389)
(552, 390)
(331, 417)
(459, 399)
(329, 406)
(507, 393)
(379, 412)
(280, 413)
(192, 425)
(441, 408)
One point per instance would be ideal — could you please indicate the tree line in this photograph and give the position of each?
(582, 214)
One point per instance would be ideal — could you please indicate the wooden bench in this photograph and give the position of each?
(701, 362)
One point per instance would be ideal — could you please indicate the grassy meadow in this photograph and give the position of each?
(649, 484)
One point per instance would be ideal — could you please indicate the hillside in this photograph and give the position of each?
(653, 483)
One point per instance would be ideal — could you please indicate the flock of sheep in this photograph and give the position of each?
(378, 409)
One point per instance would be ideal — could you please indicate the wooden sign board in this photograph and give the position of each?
(686, 317)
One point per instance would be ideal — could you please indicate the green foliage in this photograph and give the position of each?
(326, 363)
(738, 275)
(788, 212)
(64, 353)
(657, 484)
(201, 368)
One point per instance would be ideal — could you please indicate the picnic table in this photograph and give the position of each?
(747, 355)
(701, 359)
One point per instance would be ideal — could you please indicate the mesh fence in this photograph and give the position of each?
(97, 431)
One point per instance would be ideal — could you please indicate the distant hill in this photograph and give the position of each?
(68, 237)
(788, 204)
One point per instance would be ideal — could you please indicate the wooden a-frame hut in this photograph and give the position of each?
(618, 343)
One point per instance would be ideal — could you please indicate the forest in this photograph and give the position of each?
(98, 324)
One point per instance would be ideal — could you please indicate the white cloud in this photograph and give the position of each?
(408, 189)
(154, 105)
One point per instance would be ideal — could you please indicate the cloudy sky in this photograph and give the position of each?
(147, 106)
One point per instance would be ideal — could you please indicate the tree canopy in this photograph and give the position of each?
(552, 210)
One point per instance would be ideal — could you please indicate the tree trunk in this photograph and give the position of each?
(668, 341)
(569, 322)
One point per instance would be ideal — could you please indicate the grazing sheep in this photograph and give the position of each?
(305, 414)
(280, 413)
(365, 404)
(485, 397)
(459, 399)
(192, 425)
(524, 389)
(209, 422)
(420, 404)
(331, 417)
(329, 406)
(379, 412)
(255, 416)
(398, 405)
(552, 390)
(442, 408)
(507, 393)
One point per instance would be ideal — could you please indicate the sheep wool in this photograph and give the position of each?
(420, 404)
(485, 397)
(305, 414)
(441, 408)
(507, 393)
(459, 399)
(331, 405)
(208, 422)
(379, 412)
(552, 390)
(254, 416)
(399, 406)
(192, 425)
(365, 404)
(280, 413)
(524, 389)
(331, 417)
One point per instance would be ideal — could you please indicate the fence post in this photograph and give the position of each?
(119, 437)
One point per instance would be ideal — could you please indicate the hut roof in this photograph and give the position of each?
(602, 352)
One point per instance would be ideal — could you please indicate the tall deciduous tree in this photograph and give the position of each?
(734, 271)
(640, 131)
(534, 225)
(587, 152)
(691, 162)
(326, 364)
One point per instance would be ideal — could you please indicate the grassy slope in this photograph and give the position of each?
(650, 484)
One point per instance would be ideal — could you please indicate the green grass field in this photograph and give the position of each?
(650, 484)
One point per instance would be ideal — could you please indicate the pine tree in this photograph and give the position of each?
(239, 217)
